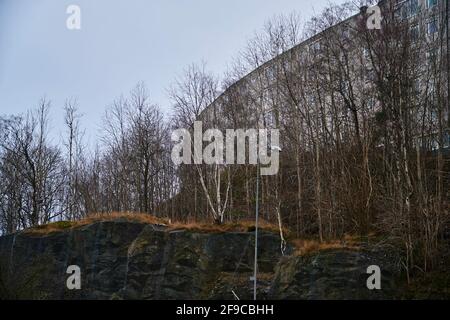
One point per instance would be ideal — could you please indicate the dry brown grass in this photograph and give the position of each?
(201, 227)
(135, 217)
(239, 226)
(307, 246)
(92, 218)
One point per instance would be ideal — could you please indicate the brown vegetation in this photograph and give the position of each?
(307, 246)
(201, 227)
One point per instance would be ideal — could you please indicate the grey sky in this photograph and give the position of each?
(121, 43)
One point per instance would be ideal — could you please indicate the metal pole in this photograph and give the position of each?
(255, 268)
(448, 62)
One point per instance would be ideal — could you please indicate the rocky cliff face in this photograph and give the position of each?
(335, 274)
(130, 260)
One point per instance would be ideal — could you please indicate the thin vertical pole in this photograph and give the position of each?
(448, 61)
(255, 268)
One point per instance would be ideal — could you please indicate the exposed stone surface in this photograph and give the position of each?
(130, 260)
(335, 274)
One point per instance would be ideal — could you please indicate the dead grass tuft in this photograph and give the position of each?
(239, 226)
(307, 246)
(130, 216)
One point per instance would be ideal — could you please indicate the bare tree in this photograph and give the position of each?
(33, 169)
(75, 149)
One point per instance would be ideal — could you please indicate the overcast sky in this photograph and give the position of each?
(120, 43)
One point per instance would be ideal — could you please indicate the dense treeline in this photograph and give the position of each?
(364, 133)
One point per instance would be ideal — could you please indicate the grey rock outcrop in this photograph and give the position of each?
(130, 260)
(120, 259)
(335, 274)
